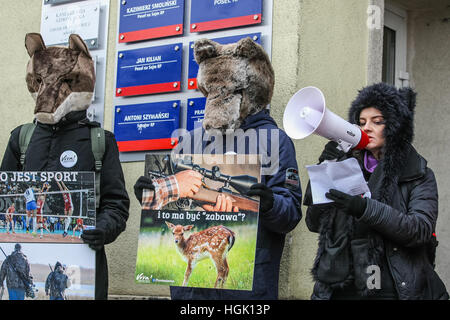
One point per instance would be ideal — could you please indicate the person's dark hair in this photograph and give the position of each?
(396, 105)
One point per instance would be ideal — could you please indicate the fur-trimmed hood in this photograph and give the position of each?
(397, 107)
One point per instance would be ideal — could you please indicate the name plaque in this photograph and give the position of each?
(147, 126)
(57, 1)
(59, 22)
(149, 70)
(195, 113)
(209, 15)
(150, 19)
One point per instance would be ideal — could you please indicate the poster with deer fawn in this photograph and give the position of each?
(198, 226)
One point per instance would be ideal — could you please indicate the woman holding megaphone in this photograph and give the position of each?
(381, 247)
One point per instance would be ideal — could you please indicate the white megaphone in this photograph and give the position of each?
(306, 114)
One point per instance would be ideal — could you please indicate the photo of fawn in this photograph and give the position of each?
(214, 242)
(188, 243)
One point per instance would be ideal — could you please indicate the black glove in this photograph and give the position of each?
(265, 196)
(142, 183)
(95, 238)
(331, 152)
(353, 205)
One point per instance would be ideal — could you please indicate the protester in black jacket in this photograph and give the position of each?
(380, 247)
(62, 80)
(43, 154)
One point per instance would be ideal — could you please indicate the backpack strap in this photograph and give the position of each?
(98, 149)
(97, 145)
(26, 132)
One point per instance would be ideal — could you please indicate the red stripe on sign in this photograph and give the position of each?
(152, 33)
(148, 89)
(144, 145)
(226, 23)
(192, 83)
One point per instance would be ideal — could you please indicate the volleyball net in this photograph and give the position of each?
(82, 203)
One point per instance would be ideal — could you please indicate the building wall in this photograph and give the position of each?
(429, 67)
(16, 105)
(315, 42)
(331, 53)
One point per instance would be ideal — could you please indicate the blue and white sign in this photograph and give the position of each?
(209, 15)
(147, 126)
(150, 19)
(149, 70)
(193, 66)
(195, 113)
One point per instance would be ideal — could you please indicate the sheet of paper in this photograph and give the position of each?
(345, 176)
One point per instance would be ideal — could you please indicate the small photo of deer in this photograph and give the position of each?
(214, 243)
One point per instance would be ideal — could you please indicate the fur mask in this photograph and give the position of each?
(59, 79)
(237, 79)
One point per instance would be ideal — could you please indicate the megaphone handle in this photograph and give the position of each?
(343, 146)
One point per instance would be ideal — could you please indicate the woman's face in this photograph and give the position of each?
(371, 121)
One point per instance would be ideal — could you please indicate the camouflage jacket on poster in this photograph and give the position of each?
(13, 265)
(56, 283)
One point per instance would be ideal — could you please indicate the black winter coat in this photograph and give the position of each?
(43, 154)
(405, 225)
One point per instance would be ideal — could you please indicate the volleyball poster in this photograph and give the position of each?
(49, 207)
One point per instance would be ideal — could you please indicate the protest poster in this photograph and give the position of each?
(204, 240)
(42, 217)
(46, 206)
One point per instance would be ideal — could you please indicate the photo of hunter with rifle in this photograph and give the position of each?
(209, 201)
(169, 180)
(46, 271)
(57, 282)
(16, 269)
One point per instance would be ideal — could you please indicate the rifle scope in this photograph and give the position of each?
(241, 183)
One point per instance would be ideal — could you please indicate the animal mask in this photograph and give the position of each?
(59, 79)
(237, 80)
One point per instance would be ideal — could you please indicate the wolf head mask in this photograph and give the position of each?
(237, 80)
(60, 79)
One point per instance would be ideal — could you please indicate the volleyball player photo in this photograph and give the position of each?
(50, 207)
